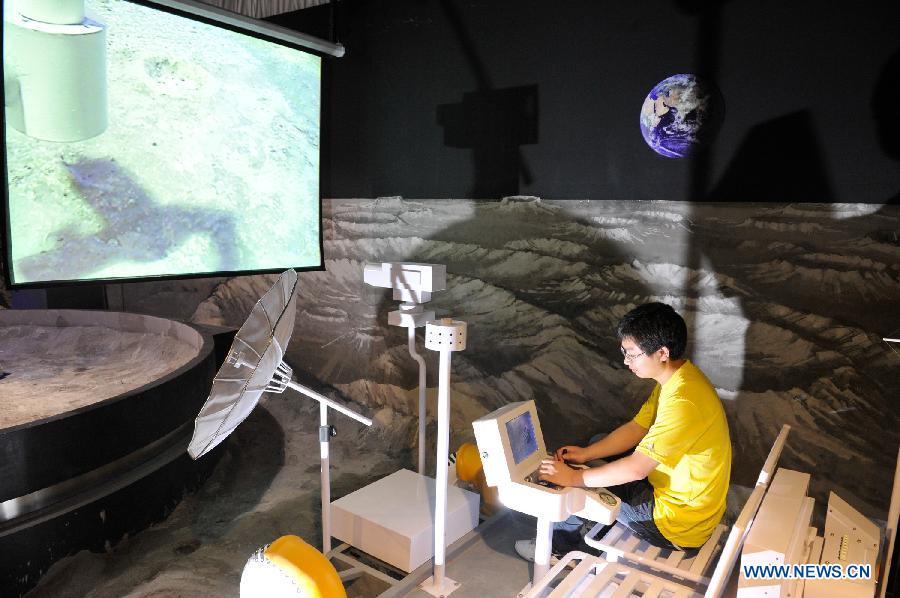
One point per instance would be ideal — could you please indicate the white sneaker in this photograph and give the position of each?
(526, 549)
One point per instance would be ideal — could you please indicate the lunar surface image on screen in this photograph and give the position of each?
(210, 161)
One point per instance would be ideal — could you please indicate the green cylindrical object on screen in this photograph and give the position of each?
(55, 75)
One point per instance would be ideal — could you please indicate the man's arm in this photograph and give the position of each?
(627, 469)
(635, 466)
(624, 438)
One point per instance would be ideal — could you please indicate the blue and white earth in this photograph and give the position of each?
(680, 114)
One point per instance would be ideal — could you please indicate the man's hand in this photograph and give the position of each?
(554, 470)
(575, 454)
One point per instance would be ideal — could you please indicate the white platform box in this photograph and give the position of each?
(393, 519)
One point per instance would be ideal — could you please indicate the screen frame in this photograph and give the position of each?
(216, 17)
(518, 471)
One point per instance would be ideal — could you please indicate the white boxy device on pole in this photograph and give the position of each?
(412, 284)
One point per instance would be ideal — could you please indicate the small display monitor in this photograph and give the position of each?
(511, 442)
(522, 439)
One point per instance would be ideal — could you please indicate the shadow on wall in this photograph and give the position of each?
(494, 123)
(835, 266)
(772, 292)
(542, 284)
(535, 284)
(121, 203)
(884, 110)
(785, 300)
(786, 303)
(816, 282)
(780, 160)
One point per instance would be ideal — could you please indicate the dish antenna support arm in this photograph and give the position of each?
(282, 380)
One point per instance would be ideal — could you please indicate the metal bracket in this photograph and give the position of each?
(326, 433)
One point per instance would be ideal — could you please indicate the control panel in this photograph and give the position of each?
(512, 447)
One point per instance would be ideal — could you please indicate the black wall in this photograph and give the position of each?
(483, 98)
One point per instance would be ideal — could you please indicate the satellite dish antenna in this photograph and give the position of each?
(255, 365)
(893, 342)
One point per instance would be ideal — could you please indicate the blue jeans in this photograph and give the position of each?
(636, 513)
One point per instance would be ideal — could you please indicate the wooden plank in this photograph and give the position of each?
(608, 542)
(627, 584)
(616, 530)
(629, 544)
(686, 564)
(654, 590)
(703, 557)
(613, 535)
(602, 580)
(652, 552)
(683, 592)
(575, 577)
(674, 558)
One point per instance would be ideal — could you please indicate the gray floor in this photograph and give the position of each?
(484, 563)
(489, 566)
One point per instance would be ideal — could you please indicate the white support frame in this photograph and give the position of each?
(890, 531)
(687, 575)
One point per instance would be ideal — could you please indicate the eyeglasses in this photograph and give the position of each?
(629, 357)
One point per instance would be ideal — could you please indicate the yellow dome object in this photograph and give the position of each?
(468, 462)
(290, 567)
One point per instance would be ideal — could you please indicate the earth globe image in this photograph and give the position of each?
(681, 114)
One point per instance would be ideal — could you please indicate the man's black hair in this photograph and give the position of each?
(654, 326)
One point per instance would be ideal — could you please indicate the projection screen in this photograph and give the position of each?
(142, 141)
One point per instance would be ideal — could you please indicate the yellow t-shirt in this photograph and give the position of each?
(688, 436)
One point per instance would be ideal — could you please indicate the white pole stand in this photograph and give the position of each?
(542, 549)
(412, 316)
(413, 284)
(325, 434)
(445, 336)
(282, 380)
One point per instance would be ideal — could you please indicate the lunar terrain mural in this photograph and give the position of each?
(786, 306)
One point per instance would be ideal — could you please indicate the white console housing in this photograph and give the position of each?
(512, 447)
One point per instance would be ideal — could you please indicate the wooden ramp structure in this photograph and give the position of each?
(630, 566)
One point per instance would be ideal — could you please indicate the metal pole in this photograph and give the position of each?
(326, 401)
(324, 439)
(422, 411)
(443, 450)
(542, 541)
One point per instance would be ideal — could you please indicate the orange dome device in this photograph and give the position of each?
(290, 567)
(468, 462)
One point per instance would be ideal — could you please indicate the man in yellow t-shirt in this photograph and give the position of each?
(673, 484)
